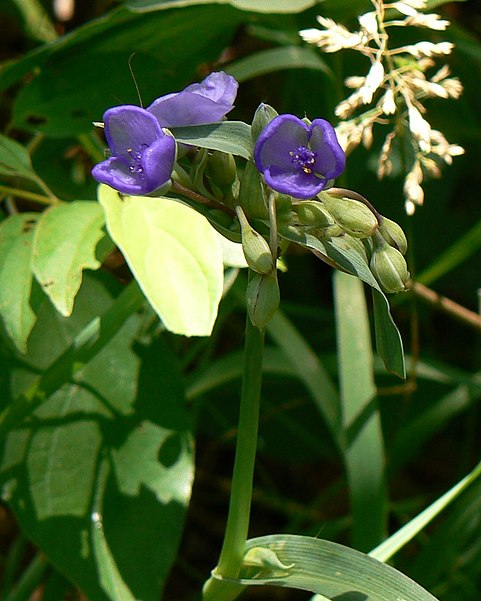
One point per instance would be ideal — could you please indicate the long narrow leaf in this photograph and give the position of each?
(310, 371)
(365, 454)
(389, 547)
(330, 569)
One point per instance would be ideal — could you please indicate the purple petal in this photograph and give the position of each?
(218, 86)
(157, 163)
(128, 127)
(115, 172)
(330, 159)
(282, 135)
(199, 103)
(294, 183)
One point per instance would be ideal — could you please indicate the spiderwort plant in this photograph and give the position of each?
(292, 159)
(296, 158)
(142, 154)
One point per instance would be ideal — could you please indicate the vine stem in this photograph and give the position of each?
(217, 588)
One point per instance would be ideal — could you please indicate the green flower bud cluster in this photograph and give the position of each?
(379, 240)
(352, 216)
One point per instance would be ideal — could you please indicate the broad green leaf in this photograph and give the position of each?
(80, 469)
(364, 456)
(92, 62)
(332, 570)
(16, 240)
(15, 159)
(227, 136)
(340, 253)
(266, 6)
(174, 254)
(276, 59)
(65, 240)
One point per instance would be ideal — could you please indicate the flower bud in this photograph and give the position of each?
(256, 248)
(251, 194)
(263, 298)
(394, 235)
(389, 268)
(263, 115)
(314, 213)
(221, 168)
(355, 218)
(356, 244)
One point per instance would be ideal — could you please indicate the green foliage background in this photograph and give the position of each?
(101, 406)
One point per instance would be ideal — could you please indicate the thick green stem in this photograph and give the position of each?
(235, 538)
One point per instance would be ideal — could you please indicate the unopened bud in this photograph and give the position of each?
(251, 194)
(314, 213)
(389, 268)
(263, 298)
(394, 235)
(355, 218)
(263, 115)
(356, 244)
(256, 249)
(221, 168)
(283, 204)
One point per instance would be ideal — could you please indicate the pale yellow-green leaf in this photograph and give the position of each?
(174, 254)
(64, 245)
(16, 234)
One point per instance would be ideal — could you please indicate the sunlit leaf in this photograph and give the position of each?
(174, 254)
(16, 240)
(65, 240)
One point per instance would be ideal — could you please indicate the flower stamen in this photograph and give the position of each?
(303, 158)
(136, 165)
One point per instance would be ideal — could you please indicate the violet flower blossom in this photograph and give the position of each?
(142, 155)
(204, 102)
(296, 158)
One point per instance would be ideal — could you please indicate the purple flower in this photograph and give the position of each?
(204, 102)
(296, 158)
(142, 155)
